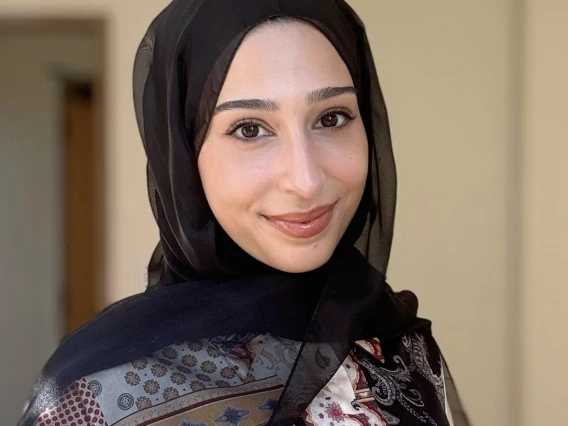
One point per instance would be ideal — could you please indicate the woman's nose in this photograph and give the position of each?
(303, 173)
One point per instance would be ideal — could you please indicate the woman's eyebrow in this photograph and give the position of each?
(327, 93)
(258, 104)
(269, 105)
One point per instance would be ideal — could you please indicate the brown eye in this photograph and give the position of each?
(250, 131)
(330, 120)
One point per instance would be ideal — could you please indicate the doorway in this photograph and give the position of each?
(51, 193)
(81, 173)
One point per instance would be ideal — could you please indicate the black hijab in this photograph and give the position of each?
(180, 67)
(202, 283)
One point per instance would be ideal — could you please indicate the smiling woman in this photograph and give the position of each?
(272, 179)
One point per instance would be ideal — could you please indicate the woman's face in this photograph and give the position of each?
(284, 163)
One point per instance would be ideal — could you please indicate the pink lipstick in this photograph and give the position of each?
(303, 224)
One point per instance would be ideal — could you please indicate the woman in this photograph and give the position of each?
(272, 179)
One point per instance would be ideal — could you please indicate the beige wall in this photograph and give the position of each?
(445, 70)
(449, 73)
(545, 214)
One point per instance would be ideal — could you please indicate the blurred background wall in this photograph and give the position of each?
(544, 214)
(448, 70)
(30, 206)
(477, 98)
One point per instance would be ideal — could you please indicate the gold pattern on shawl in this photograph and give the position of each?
(204, 406)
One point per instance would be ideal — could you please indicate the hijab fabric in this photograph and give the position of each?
(201, 283)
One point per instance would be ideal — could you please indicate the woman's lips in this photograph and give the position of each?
(304, 224)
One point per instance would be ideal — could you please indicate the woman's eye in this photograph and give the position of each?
(333, 119)
(249, 131)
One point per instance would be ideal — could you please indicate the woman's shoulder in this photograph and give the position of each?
(76, 406)
(182, 376)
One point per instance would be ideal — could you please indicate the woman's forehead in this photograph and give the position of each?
(288, 59)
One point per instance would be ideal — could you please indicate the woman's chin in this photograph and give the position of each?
(298, 261)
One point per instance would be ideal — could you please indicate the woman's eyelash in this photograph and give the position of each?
(241, 123)
(345, 112)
